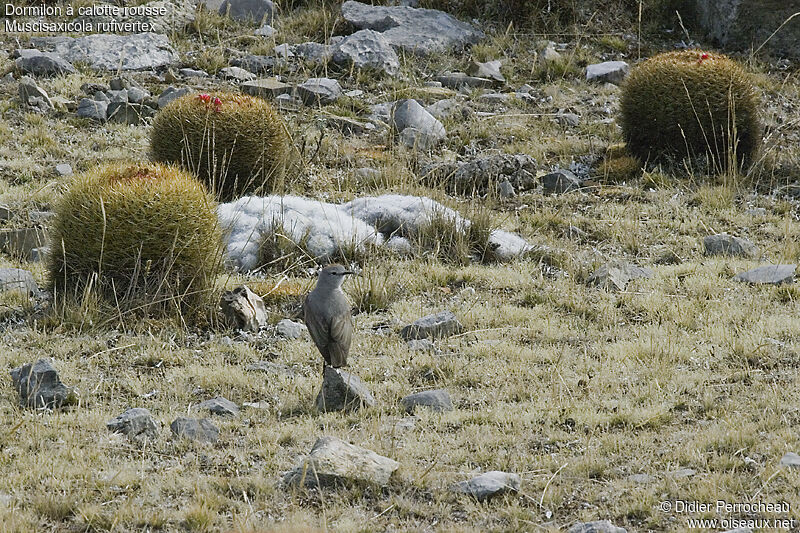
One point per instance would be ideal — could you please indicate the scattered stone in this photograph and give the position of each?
(171, 93)
(288, 102)
(506, 189)
(349, 126)
(192, 73)
(290, 330)
(426, 130)
(64, 169)
(162, 16)
(258, 11)
(243, 309)
(272, 368)
(283, 51)
(128, 113)
(549, 55)
(257, 64)
(791, 460)
(506, 245)
(399, 245)
(559, 182)
(420, 31)
(218, 406)
(641, 478)
(38, 385)
(768, 274)
(367, 49)
(20, 242)
(266, 88)
(32, 61)
(569, 119)
(236, 73)
(724, 244)
(315, 53)
(489, 70)
(93, 109)
(436, 400)
(457, 80)
(342, 391)
(333, 461)
(443, 109)
(478, 175)
(202, 430)
(422, 345)
(34, 96)
(137, 95)
(113, 52)
(137, 424)
(608, 72)
(616, 275)
(442, 324)
(320, 91)
(495, 98)
(599, 526)
(17, 279)
(489, 485)
(756, 212)
(683, 473)
(264, 31)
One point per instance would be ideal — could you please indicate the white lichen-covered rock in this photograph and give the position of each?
(507, 245)
(399, 214)
(321, 227)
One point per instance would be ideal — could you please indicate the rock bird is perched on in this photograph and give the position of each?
(327, 316)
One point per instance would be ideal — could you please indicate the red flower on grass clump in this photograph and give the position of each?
(206, 99)
(703, 57)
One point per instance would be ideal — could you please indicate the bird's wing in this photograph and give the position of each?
(341, 334)
(318, 331)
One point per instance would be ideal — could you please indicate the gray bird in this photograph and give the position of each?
(327, 316)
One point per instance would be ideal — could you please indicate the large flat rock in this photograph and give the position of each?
(420, 31)
(103, 51)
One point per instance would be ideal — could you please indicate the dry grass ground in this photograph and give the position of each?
(574, 388)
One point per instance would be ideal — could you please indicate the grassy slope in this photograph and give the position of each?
(572, 387)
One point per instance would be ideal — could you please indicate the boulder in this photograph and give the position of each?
(34, 96)
(608, 72)
(16, 279)
(266, 88)
(256, 64)
(243, 309)
(218, 406)
(768, 275)
(342, 391)
(236, 74)
(171, 93)
(21, 242)
(436, 400)
(425, 132)
(46, 64)
(442, 324)
(420, 31)
(790, 460)
(202, 430)
(724, 244)
(489, 485)
(113, 52)
(319, 91)
(93, 109)
(367, 49)
(258, 11)
(480, 174)
(128, 113)
(488, 70)
(137, 424)
(290, 330)
(39, 385)
(559, 182)
(333, 461)
(615, 275)
(315, 53)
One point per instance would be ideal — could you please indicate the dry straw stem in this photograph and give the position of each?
(236, 144)
(140, 233)
(691, 103)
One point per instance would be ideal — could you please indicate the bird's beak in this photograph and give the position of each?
(347, 272)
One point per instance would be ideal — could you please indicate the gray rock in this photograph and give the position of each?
(264, 31)
(16, 279)
(64, 169)
(101, 96)
(236, 73)
(43, 64)
(682, 473)
(608, 72)
(489, 70)
(316, 53)
(478, 175)
(367, 49)
(117, 96)
(342, 391)
(506, 189)
(548, 55)
(137, 95)
(112, 52)
(137, 424)
(420, 31)
(442, 324)
(417, 139)
(495, 98)
(192, 73)
(569, 119)
(791, 460)
(724, 244)
(322, 91)
(349, 126)
(256, 64)
(202, 430)
(422, 345)
(218, 406)
(443, 109)
(399, 245)
(768, 274)
(334, 461)
(410, 114)
(266, 88)
(436, 400)
(458, 80)
(128, 113)
(489, 485)
(34, 96)
(272, 368)
(559, 182)
(641, 478)
(599, 526)
(170, 94)
(746, 24)
(756, 212)
(20, 242)
(38, 385)
(290, 330)
(288, 102)
(616, 275)
(93, 109)
(243, 309)
(283, 51)
(162, 16)
(258, 11)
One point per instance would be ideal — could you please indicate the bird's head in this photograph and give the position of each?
(333, 276)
